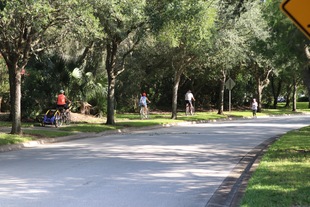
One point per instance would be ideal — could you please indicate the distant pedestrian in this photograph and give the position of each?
(254, 107)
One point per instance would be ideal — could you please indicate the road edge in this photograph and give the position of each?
(42, 141)
(232, 189)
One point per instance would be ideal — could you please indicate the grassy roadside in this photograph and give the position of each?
(132, 120)
(282, 177)
(122, 120)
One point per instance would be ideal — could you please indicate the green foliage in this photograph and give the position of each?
(82, 83)
(4, 86)
(28, 27)
(44, 21)
(230, 36)
(117, 18)
(184, 23)
(89, 79)
(4, 77)
(148, 72)
(45, 133)
(285, 40)
(303, 99)
(42, 83)
(2, 4)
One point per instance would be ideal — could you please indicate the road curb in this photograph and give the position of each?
(14, 147)
(232, 189)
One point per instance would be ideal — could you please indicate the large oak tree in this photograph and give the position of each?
(30, 26)
(185, 27)
(123, 23)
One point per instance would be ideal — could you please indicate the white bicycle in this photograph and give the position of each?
(189, 110)
(144, 113)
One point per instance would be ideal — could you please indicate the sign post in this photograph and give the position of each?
(298, 12)
(229, 85)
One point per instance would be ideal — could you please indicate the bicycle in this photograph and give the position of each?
(64, 117)
(189, 110)
(58, 119)
(144, 114)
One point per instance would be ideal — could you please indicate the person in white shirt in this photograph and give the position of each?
(189, 97)
(254, 107)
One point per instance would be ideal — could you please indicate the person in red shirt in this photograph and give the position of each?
(62, 100)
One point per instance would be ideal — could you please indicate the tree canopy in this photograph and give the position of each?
(109, 52)
(28, 27)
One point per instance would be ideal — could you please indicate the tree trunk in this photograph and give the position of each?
(259, 95)
(262, 80)
(111, 100)
(275, 102)
(15, 92)
(306, 72)
(287, 96)
(275, 91)
(221, 93)
(294, 96)
(308, 98)
(115, 66)
(110, 68)
(177, 78)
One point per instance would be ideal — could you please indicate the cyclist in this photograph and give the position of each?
(143, 102)
(189, 97)
(62, 101)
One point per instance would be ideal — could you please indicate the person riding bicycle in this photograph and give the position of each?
(143, 102)
(189, 97)
(62, 101)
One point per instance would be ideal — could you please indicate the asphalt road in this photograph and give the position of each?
(180, 166)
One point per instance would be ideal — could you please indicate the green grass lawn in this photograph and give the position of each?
(6, 139)
(282, 178)
(45, 133)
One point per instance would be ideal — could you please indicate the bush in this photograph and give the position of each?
(303, 99)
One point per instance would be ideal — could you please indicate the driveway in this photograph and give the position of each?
(180, 166)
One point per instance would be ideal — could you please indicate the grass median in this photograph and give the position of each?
(282, 178)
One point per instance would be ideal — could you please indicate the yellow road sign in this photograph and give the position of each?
(298, 12)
